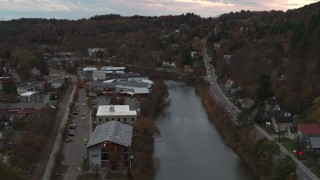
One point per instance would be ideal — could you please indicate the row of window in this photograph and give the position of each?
(124, 119)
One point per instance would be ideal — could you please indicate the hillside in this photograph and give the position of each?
(280, 44)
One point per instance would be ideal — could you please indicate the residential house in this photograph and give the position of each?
(35, 72)
(306, 131)
(94, 51)
(109, 146)
(281, 120)
(271, 104)
(246, 103)
(121, 113)
(227, 58)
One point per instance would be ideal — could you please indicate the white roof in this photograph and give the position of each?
(136, 90)
(147, 81)
(89, 69)
(111, 68)
(109, 81)
(115, 110)
(112, 131)
(29, 93)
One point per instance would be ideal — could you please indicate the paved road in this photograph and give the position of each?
(302, 171)
(75, 149)
(47, 158)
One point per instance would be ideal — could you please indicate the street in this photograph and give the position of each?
(75, 148)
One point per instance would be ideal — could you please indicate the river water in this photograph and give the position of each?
(190, 147)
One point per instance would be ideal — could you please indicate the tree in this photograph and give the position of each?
(9, 87)
(264, 87)
(186, 57)
(285, 169)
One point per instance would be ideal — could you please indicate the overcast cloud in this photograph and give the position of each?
(77, 9)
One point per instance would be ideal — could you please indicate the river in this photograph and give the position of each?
(190, 147)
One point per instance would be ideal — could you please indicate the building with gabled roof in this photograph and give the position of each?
(109, 146)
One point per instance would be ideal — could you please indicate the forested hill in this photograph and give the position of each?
(284, 45)
(281, 44)
(137, 38)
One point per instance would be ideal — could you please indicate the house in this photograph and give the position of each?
(271, 104)
(246, 103)
(315, 143)
(306, 131)
(227, 58)
(228, 85)
(94, 51)
(89, 69)
(292, 132)
(281, 119)
(167, 64)
(109, 146)
(121, 113)
(35, 72)
(30, 86)
(30, 97)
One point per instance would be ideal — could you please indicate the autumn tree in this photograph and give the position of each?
(264, 87)
(285, 169)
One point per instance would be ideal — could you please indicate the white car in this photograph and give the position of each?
(83, 104)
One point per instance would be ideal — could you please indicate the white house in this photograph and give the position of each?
(29, 97)
(93, 51)
(121, 113)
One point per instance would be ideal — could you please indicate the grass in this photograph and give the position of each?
(313, 166)
(117, 176)
(89, 176)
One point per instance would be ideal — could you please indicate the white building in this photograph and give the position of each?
(93, 51)
(99, 75)
(29, 97)
(89, 69)
(121, 113)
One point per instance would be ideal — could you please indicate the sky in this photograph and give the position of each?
(78, 9)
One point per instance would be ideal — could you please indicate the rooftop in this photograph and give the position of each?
(29, 93)
(309, 128)
(115, 110)
(112, 131)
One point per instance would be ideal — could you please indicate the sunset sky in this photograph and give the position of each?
(77, 9)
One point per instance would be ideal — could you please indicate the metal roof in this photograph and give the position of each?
(112, 131)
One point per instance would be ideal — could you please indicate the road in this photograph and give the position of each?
(301, 170)
(44, 167)
(75, 149)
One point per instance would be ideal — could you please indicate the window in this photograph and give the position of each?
(107, 119)
(118, 119)
(132, 119)
(125, 119)
(105, 157)
(99, 119)
(112, 119)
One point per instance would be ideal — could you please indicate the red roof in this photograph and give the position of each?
(309, 128)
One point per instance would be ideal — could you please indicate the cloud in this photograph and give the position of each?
(76, 9)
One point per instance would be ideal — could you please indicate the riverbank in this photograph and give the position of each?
(242, 142)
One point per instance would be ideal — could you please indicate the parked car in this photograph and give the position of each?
(71, 133)
(83, 104)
